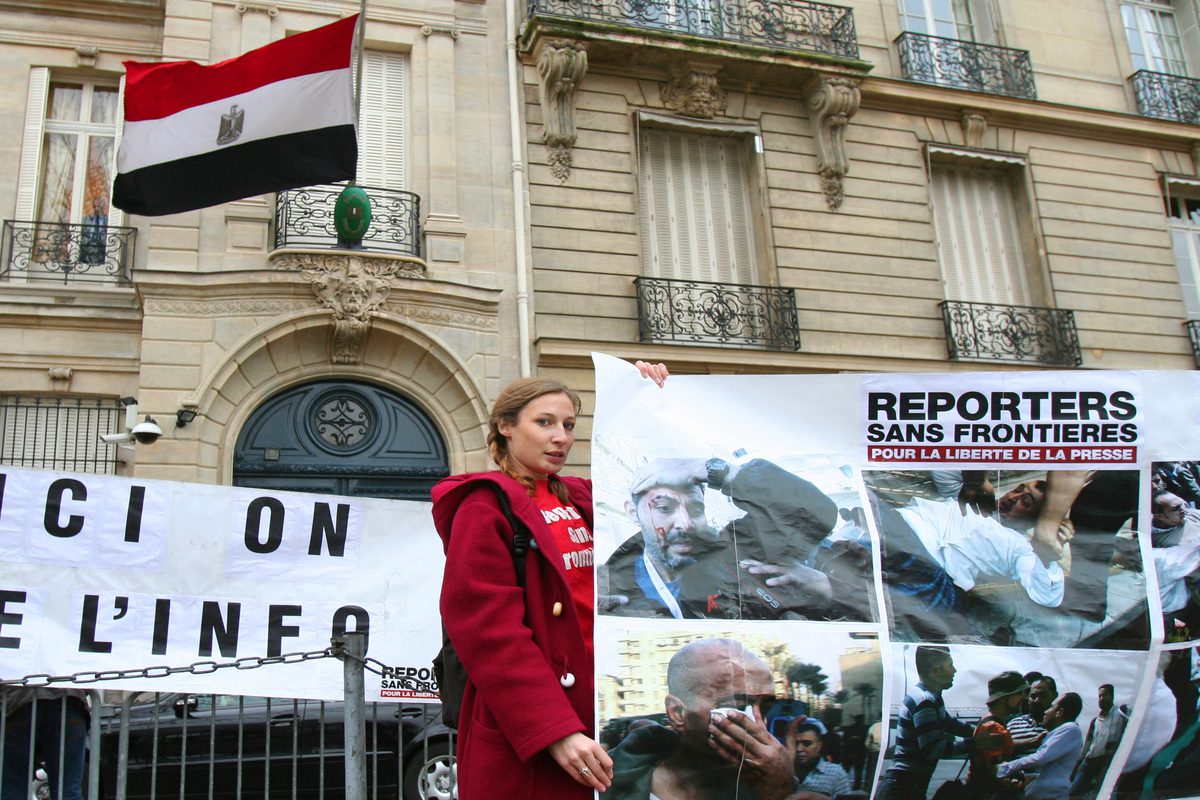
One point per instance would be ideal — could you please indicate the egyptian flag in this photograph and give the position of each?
(278, 117)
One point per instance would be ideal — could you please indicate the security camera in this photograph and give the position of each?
(146, 431)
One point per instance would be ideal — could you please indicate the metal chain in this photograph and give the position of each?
(198, 668)
(369, 664)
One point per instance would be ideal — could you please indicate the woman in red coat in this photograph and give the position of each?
(526, 729)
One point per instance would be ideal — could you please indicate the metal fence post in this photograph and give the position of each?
(122, 747)
(93, 764)
(353, 646)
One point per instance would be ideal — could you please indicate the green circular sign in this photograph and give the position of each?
(352, 214)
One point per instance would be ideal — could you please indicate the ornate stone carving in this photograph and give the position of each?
(831, 104)
(257, 8)
(60, 377)
(561, 67)
(85, 55)
(352, 288)
(693, 91)
(444, 30)
(223, 307)
(974, 125)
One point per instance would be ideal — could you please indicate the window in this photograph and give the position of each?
(1184, 213)
(60, 433)
(68, 161)
(1153, 35)
(78, 153)
(978, 233)
(382, 145)
(696, 218)
(950, 19)
(993, 310)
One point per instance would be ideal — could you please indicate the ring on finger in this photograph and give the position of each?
(585, 772)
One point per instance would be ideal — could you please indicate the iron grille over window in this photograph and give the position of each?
(61, 433)
(696, 312)
(1193, 329)
(966, 65)
(1167, 96)
(787, 24)
(304, 218)
(1011, 333)
(90, 252)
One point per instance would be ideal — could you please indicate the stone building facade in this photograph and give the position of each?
(914, 185)
(267, 354)
(789, 186)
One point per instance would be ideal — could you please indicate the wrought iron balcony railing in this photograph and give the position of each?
(729, 315)
(62, 433)
(1193, 329)
(1011, 333)
(1167, 96)
(786, 24)
(966, 65)
(93, 252)
(304, 218)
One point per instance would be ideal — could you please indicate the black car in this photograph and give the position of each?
(221, 747)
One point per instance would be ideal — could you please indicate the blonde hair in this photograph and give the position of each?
(507, 408)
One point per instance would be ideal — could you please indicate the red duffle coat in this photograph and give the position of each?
(520, 649)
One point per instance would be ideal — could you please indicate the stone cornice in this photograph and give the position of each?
(141, 11)
(31, 305)
(377, 13)
(417, 300)
(728, 360)
(916, 99)
(121, 48)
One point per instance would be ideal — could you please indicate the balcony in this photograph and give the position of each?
(1193, 329)
(1167, 96)
(304, 219)
(727, 315)
(966, 65)
(56, 251)
(986, 332)
(60, 433)
(796, 25)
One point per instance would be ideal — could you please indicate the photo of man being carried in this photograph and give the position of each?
(1030, 558)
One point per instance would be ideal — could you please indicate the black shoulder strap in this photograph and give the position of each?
(522, 536)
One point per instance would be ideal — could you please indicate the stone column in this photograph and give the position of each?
(443, 229)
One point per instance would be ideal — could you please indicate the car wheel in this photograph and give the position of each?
(432, 774)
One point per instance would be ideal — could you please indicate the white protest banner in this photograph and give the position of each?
(1020, 547)
(104, 574)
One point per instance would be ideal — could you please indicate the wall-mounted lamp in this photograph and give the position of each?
(185, 415)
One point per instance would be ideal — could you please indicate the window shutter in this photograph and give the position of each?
(695, 214)
(978, 243)
(1187, 260)
(31, 143)
(381, 130)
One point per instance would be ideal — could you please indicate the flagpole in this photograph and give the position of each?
(362, 27)
(352, 210)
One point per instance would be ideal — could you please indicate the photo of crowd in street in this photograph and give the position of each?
(764, 711)
(1165, 758)
(1031, 558)
(700, 537)
(985, 722)
(1175, 546)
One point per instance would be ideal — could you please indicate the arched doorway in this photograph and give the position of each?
(341, 437)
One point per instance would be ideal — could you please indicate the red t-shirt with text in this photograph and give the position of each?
(574, 541)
